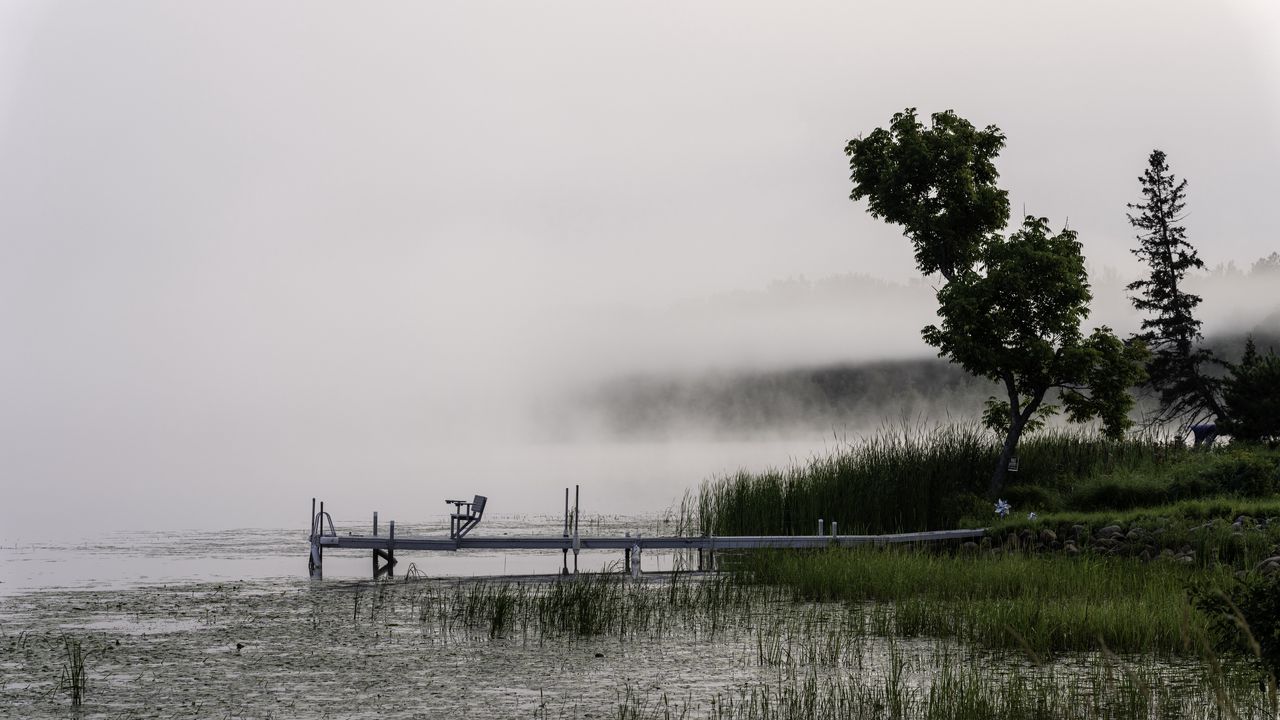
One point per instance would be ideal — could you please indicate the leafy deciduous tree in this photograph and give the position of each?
(1011, 307)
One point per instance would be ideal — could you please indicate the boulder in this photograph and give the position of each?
(1270, 566)
(1047, 536)
(1110, 531)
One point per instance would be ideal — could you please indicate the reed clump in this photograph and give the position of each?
(914, 478)
(589, 604)
(74, 680)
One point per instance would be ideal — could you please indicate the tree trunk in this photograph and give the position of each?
(1006, 454)
(1018, 418)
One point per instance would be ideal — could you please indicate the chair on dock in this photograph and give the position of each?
(461, 521)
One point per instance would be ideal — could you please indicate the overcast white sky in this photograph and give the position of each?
(258, 239)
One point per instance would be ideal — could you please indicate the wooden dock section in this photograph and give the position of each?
(384, 546)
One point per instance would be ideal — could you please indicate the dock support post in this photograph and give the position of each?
(835, 532)
(315, 563)
(820, 527)
(577, 539)
(374, 553)
(626, 554)
(389, 555)
(391, 549)
(564, 569)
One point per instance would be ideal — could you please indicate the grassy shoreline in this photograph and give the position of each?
(911, 479)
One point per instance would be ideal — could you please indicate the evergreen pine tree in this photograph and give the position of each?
(1176, 369)
(1252, 397)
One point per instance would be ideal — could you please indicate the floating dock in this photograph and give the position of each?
(384, 546)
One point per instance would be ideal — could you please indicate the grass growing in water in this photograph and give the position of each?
(588, 604)
(1042, 604)
(788, 655)
(74, 680)
(953, 687)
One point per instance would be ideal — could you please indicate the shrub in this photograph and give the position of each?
(1247, 472)
(1245, 617)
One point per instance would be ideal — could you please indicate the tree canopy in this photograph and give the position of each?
(1011, 307)
(937, 182)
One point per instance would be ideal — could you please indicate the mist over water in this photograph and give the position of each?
(255, 254)
(700, 388)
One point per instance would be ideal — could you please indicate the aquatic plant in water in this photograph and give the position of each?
(74, 681)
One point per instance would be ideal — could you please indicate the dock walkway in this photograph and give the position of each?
(384, 546)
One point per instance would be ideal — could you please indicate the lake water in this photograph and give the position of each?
(243, 527)
(129, 559)
(223, 622)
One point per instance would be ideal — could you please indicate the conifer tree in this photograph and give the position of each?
(1252, 397)
(1176, 368)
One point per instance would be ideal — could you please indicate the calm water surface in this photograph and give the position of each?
(140, 558)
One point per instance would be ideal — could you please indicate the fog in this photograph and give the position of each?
(253, 253)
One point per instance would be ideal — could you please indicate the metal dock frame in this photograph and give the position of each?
(386, 545)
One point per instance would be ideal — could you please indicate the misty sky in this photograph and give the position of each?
(271, 246)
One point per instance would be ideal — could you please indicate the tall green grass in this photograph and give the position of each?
(1039, 603)
(1241, 471)
(912, 478)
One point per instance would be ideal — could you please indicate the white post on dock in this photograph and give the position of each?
(835, 532)
(635, 560)
(820, 526)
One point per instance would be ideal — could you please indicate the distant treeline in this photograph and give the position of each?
(819, 398)
(829, 398)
